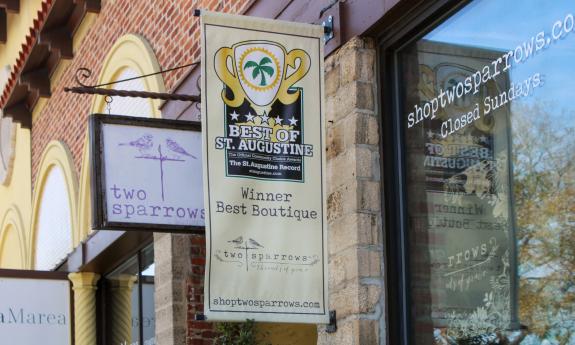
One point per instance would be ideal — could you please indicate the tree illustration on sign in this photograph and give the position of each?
(145, 143)
(260, 69)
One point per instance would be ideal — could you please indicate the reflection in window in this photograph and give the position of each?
(490, 145)
(130, 301)
(148, 319)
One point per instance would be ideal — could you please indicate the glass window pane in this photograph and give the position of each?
(489, 128)
(122, 323)
(148, 316)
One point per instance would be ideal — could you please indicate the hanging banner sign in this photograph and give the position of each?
(264, 170)
(146, 174)
(35, 308)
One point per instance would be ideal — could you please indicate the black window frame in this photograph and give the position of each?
(407, 22)
(103, 289)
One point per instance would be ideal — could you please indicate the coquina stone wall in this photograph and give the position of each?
(354, 196)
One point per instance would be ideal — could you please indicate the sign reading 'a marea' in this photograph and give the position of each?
(35, 308)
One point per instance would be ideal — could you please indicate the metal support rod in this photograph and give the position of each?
(332, 326)
(126, 93)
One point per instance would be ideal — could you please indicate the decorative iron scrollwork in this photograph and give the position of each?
(83, 74)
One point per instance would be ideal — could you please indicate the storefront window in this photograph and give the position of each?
(129, 301)
(147, 321)
(486, 106)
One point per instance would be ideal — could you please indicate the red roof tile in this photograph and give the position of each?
(29, 42)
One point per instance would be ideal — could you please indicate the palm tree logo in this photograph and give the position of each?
(260, 69)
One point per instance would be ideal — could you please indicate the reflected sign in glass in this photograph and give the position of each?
(489, 129)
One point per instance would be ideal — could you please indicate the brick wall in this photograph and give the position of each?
(170, 28)
(173, 33)
(199, 332)
(354, 190)
(179, 293)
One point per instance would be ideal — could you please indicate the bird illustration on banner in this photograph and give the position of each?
(246, 245)
(237, 241)
(254, 243)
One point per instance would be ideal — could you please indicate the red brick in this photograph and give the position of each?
(199, 261)
(200, 325)
(174, 35)
(209, 334)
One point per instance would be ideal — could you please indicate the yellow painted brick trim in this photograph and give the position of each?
(134, 52)
(84, 225)
(129, 51)
(12, 221)
(38, 107)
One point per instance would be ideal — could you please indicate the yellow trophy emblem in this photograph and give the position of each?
(261, 72)
(264, 132)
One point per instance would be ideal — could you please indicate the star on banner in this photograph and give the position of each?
(249, 116)
(293, 121)
(265, 117)
(234, 115)
(278, 120)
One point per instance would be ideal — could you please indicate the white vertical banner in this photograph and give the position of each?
(264, 170)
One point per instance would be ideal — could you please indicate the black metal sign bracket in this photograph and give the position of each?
(85, 73)
(332, 326)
